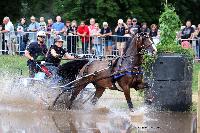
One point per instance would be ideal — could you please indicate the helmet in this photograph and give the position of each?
(59, 39)
(41, 33)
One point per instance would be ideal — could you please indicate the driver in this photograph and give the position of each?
(36, 52)
(56, 52)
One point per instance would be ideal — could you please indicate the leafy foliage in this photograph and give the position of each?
(169, 26)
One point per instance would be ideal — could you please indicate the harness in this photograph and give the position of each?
(137, 70)
(124, 71)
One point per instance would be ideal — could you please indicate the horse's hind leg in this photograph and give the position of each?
(74, 95)
(98, 94)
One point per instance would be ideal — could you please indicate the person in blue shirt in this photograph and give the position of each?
(33, 28)
(58, 26)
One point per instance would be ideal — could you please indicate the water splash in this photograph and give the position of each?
(20, 91)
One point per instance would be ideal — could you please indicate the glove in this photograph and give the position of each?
(40, 58)
(59, 56)
(76, 56)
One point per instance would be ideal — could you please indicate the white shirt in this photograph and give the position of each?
(10, 28)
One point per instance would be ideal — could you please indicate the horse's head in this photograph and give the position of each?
(145, 44)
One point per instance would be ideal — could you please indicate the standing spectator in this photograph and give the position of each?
(106, 39)
(33, 28)
(154, 34)
(42, 24)
(196, 35)
(67, 25)
(154, 31)
(92, 31)
(21, 35)
(135, 28)
(49, 24)
(92, 26)
(129, 25)
(50, 35)
(8, 35)
(144, 28)
(83, 32)
(67, 36)
(58, 26)
(187, 31)
(97, 41)
(120, 32)
(72, 37)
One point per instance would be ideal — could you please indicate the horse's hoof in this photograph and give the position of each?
(131, 109)
(50, 108)
(149, 101)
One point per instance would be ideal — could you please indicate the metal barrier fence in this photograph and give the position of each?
(15, 43)
(194, 44)
(93, 47)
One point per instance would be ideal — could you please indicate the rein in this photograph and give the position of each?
(126, 71)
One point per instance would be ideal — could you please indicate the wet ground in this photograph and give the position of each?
(24, 110)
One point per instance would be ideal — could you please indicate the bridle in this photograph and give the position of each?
(141, 45)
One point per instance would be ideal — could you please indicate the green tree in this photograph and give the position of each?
(75, 9)
(108, 10)
(37, 8)
(10, 8)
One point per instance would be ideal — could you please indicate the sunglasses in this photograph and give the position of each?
(134, 21)
(42, 36)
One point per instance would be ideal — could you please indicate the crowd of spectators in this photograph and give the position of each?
(91, 37)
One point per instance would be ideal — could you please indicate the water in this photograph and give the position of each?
(23, 109)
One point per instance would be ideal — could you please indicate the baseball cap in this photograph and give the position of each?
(59, 39)
(134, 19)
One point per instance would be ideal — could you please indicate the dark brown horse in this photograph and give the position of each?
(124, 72)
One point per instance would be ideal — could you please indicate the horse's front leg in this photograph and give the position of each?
(126, 90)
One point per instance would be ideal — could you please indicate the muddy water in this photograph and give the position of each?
(23, 109)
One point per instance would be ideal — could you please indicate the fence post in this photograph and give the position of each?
(198, 106)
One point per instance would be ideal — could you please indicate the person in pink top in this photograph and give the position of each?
(92, 26)
(92, 32)
(83, 32)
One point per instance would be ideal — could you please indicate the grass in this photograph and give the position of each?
(196, 70)
(14, 64)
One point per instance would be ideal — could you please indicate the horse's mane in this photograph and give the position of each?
(128, 44)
